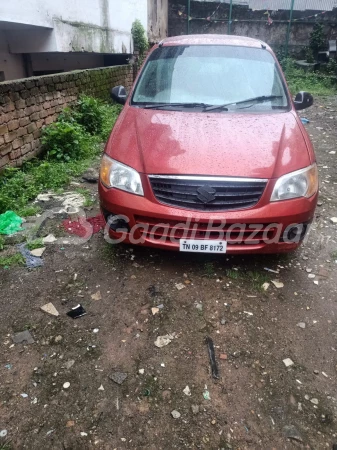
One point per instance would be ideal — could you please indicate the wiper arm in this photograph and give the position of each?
(260, 99)
(183, 105)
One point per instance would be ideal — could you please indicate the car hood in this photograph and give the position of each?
(218, 144)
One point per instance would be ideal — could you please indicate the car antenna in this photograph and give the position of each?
(161, 43)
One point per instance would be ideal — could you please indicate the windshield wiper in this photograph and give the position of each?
(183, 105)
(260, 99)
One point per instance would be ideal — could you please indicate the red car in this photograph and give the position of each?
(209, 154)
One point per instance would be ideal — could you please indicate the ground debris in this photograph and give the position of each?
(288, 362)
(118, 377)
(291, 432)
(91, 175)
(23, 336)
(175, 414)
(76, 312)
(187, 391)
(49, 308)
(211, 353)
(195, 409)
(49, 239)
(38, 252)
(278, 284)
(161, 341)
(97, 296)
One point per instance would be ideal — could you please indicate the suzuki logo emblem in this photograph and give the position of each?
(206, 194)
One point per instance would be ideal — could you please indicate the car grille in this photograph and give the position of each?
(166, 230)
(207, 193)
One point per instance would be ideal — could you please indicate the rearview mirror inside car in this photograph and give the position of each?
(119, 94)
(303, 100)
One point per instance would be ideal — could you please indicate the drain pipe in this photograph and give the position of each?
(230, 17)
(188, 15)
(289, 26)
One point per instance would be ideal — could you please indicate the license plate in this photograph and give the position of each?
(203, 246)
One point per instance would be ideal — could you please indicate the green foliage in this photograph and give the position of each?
(2, 243)
(317, 39)
(27, 211)
(331, 67)
(209, 269)
(69, 151)
(64, 141)
(88, 113)
(88, 197)
(309, 55)
(334, 255)
(139, 37)
(36, 243)
(233, 274)
(257, 279)
(314, 82)
(18, 187)
(12, 260)
(110, 114)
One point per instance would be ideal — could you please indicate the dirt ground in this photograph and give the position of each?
(257, 403)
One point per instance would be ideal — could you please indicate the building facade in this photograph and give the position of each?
(47, 36)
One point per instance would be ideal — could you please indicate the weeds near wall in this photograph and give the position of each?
(317, 83)
(69, 149)
(140, 41)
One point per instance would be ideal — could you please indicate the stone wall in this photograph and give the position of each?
(246, 22)
(29, 104)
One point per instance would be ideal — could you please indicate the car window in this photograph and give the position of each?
(212, 75)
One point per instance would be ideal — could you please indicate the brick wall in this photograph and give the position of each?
(27, 105)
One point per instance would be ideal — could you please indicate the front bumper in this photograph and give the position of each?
(145, 217)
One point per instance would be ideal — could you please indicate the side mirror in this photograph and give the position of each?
(119, 94)
(303, 100)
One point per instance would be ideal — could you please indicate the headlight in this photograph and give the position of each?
(302, 183)
(117, 175)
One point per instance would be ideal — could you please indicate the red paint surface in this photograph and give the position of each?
(253, 145)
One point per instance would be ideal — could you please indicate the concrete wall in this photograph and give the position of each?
(250, 23)
(27, 105)
(64, 62)
(102, 26)
(11, 65)
(157, 20)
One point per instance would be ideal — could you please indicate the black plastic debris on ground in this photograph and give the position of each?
(291, 432)
(76, 312)
(211, 353)
(23, 336)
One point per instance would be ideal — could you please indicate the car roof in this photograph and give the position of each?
(213, 39)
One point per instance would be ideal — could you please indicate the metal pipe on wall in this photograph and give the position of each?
(289, 26)
(188, 15)
(230, 17)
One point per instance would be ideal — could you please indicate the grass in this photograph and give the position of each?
(109, 252)
(257, 279)
(6, 446)
(36, 243)
(314, 82)
(12, 260)
(233, 274)
(88, 198)
(18, 186)
(209, 269)
(333, 254)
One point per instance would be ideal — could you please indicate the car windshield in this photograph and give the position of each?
(208, 75)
